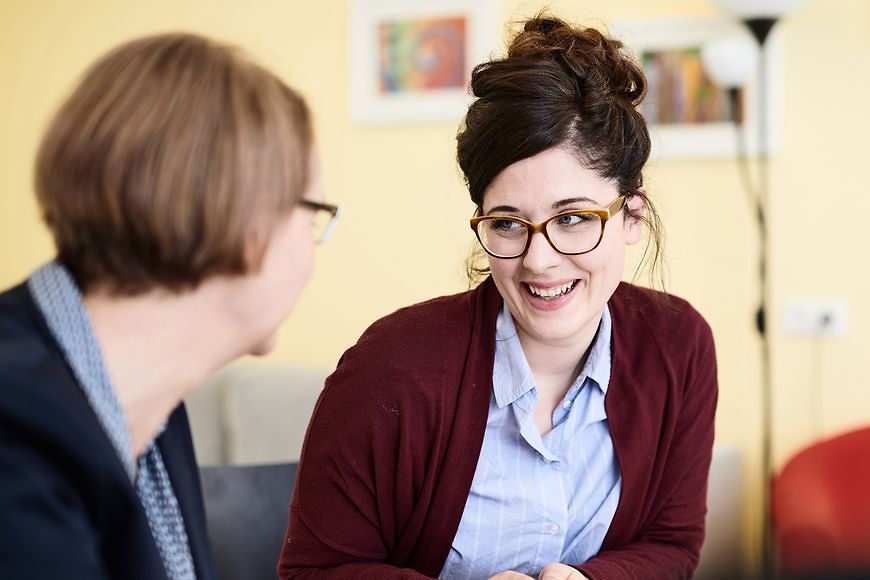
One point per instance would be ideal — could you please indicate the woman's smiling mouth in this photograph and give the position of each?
(553, 291)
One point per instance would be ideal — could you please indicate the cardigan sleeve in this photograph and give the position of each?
(307, 554)
(392, 446)
(667, 546)
(355, 487)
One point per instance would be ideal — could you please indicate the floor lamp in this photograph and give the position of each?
(726, 64)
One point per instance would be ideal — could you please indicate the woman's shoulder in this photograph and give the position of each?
(668, 319)
(21, 331)
(55, 455)
(662, 340)
(427, 313)
(419, 329)
(654, 306)
(26, 349)
(50, 432)
(418, 347)
(39, 397)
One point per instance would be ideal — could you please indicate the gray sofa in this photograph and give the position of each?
(257, 413)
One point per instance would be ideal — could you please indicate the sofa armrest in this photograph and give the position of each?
(721, 554)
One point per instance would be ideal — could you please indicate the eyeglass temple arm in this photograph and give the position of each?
(331, 225)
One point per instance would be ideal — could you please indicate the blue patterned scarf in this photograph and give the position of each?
(60, 302)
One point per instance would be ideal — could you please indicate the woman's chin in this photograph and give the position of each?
(265, 346)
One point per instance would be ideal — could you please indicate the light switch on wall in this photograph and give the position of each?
(819, 317)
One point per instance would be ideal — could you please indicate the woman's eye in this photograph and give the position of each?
(572, 219)
(504, 225)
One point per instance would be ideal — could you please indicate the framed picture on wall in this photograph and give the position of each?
(411, 61)
(689, 115)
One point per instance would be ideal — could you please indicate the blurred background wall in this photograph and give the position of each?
(404, 236)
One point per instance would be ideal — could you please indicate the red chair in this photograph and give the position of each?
(820, 506)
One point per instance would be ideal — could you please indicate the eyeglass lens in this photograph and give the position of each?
(570, 233)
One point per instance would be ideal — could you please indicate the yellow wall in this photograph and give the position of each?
(385, 174)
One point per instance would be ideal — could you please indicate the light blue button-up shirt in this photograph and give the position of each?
(536, 500)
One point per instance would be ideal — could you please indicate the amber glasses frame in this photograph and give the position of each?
(603, 216)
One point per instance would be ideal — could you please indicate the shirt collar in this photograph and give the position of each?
(512, 377)
(598, 363)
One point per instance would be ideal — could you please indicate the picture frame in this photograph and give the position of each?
(410, 62)
(680, 40)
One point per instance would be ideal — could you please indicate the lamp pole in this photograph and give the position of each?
(760, 16)
(760, 201)
(760, 28)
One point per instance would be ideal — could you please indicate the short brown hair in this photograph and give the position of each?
(559, 86)
(168, 161)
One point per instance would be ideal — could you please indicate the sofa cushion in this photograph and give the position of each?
(266, 410)
(251, 413)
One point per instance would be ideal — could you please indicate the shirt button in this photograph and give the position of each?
(567, 405)
(554, 529)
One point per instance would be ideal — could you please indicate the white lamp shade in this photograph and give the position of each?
(745, 9)
(730, 60)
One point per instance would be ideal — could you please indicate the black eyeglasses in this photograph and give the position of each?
(571, 232)
(325, 217)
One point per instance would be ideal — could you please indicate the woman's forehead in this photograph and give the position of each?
(546, 181)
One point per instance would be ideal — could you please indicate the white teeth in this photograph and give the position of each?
(552, 292)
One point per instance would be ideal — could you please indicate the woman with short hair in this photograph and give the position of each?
(180, 183)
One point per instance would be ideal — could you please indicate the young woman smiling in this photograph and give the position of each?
(554, 422)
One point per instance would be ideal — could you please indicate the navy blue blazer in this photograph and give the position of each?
(67, 506)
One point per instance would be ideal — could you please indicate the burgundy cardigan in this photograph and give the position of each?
(393, 444)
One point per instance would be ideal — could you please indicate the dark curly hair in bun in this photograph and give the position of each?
(559, 86)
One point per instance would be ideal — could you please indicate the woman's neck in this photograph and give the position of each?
(555, 366)
(564, 359)
(157, 347)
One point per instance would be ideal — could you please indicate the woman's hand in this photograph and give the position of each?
(553, 571)
(557, 571)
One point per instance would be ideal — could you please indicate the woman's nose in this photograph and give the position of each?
(541, 255)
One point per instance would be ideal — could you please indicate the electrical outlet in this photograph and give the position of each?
(816, 318)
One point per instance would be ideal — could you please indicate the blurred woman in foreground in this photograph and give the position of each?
(180, 184)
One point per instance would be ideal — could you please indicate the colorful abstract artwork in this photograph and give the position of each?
(410, 61)
(679, 91)
(422, 55)
(690, 116)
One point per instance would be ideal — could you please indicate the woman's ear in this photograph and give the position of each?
(256, 243)
(635, 209)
